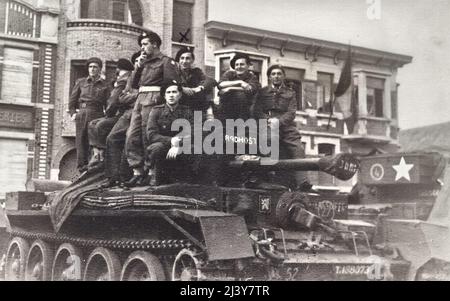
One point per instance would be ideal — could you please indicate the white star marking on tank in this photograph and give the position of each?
(402, 170)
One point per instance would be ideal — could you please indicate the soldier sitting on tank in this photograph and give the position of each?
(116, 165)
(277, 103)
(196, 85)
(99, 129)
(165, 143)
(237, 89)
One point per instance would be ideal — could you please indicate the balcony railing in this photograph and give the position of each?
(96, 23)
(21, 21)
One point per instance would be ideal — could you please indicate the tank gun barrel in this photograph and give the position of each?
(342, 166)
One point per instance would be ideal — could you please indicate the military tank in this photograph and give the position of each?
(183, 231)
(407, 196)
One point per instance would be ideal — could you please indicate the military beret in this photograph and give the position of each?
(276, 66)
(152, 36)
(95, 60)
(184, 50)
(238, 56)
(125, 64)
(135, 56)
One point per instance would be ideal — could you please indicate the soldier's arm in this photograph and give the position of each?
(228, 80)
(170, 71)
(255, 86)
(74, 96)
(153, 129)
(113, 100)
(206, 82)
(289, 116)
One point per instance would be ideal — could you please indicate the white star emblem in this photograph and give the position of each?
(402, 170)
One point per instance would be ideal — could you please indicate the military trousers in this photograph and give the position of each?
(136, 137)
(99, 129)
(82, 120)
(116, 165)
(169, 171)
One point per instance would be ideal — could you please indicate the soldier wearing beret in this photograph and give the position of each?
(99, 128)
(237, 89)
(116, 165)
(277, 103)
(154, 70)
(196, 86)
(164, 143)
(89, 96)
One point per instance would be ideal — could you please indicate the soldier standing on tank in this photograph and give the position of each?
(277, 103)
(164, 143)
(155, 70)
(89, 96)
(196, 86)
(99, 129)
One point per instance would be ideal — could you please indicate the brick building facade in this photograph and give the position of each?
(28, 39)
(109, 30)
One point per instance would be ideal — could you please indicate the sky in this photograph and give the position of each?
(419, 28)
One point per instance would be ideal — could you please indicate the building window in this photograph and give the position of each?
(21, 20)
(375, 92)
(110, 72)
(128, 11)
(17, 75)
(119, 11)
(77, 70)
(13, 165)
(326, 149)
(294, 78)
(324, 91)
(182, 22)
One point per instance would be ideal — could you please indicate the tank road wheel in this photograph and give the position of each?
(39, 262)
(142, 266)
(186, 267)
(102, 265)
(16, 258)
(67, 264)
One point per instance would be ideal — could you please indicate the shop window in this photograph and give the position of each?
(17, 74)
(294, 78)
(375, 92)
(324, 90)
(182, 22)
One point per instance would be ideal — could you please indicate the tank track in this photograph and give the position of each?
(144, 244)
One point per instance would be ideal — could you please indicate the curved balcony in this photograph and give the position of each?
(105, 24)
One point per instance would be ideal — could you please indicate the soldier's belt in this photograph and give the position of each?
(90, 105)
(144, 89)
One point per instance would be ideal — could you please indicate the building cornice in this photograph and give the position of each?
(309, 46)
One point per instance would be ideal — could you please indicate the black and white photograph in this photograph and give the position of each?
(226, 141)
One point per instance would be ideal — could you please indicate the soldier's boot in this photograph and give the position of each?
(95, 159)
(136, 179)
(110, 183)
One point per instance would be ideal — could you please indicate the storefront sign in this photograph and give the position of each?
(13, 117)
